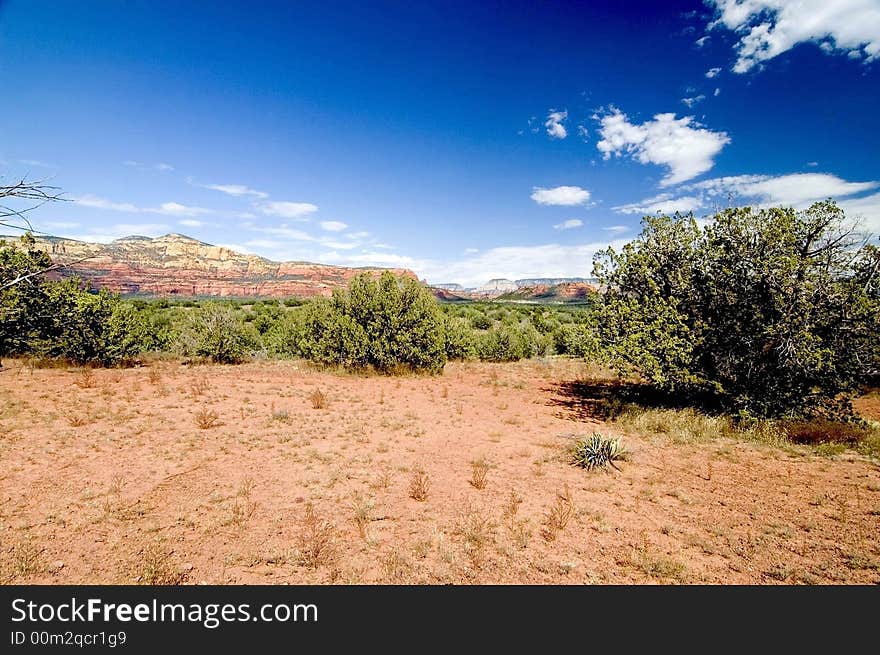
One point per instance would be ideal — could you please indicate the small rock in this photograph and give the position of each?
(56, 565)
(185, 568)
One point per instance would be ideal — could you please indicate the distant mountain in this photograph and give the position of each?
(496, 286)
(177, 265)
(566, 292)
(503, 288)
(445, 295)
(552, 281)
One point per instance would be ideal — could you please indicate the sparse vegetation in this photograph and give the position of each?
(479, 472)
(316, 540)
(419, 484)
(318, 399)
(596, 451)
(206, 418)
(558, 515)
(155, 568)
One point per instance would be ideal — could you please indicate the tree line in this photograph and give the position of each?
(770, 312)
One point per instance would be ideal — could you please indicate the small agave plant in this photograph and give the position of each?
(596, 451)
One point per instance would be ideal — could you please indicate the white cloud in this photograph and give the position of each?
(616, 229)
(796, 190)
(285, 232)
(176, 209)
(583, 133)
(161, 166)
(565, 196)
(555, 128)
(703, 40)
(119, 230)
(514, 262)
(237, 190)
(339, 245)
(333, 226)
(663, 204)
(717, 92)
(263, 243)
(138, 229)
(712, 72)
(96, 202)
(682, 145)
(284, 209)
(812, 164)
(569, 224)
(690, 102)
(190, 222)
(866, 210)
(767, 28)
(474, 269)
(66, 225)
(166, 208)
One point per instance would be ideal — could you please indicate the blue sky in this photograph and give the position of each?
(463, 140)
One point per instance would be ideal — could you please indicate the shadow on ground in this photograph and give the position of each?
(601, 400)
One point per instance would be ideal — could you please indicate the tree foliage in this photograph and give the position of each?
(774, 311)
(62, 319)
(386, 324)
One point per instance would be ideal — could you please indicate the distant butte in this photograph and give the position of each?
(178, 265)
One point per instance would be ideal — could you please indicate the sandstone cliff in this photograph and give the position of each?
(177, 265)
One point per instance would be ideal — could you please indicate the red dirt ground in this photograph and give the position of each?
(110, 480)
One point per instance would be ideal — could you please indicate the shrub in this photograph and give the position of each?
(481, 321)
(286, 336)
(386, 324)
(214, 331)
(577, 340)
(596, 452)
(512, 342)
(775, 311)
(461, 341)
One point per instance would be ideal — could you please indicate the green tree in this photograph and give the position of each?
(214, 331)
(386, 324)
(23, 311)
(763, 308)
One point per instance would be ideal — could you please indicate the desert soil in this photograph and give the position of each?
(107, 478)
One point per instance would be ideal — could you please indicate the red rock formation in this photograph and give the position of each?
(176, 265)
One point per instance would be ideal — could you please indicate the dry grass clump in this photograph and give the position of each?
(418, 485)
(479, 471)
(199, 387)
(316, 540)
(24, 559)
(76, 420)
(558, 515)
(155, 569)
(363, 514)
(823, 431)
(477, 531)
(85, 379)
(318, 399)
(206, 418)
(692, 426)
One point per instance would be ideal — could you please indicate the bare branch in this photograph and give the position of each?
(53, 267)
(36, 190)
